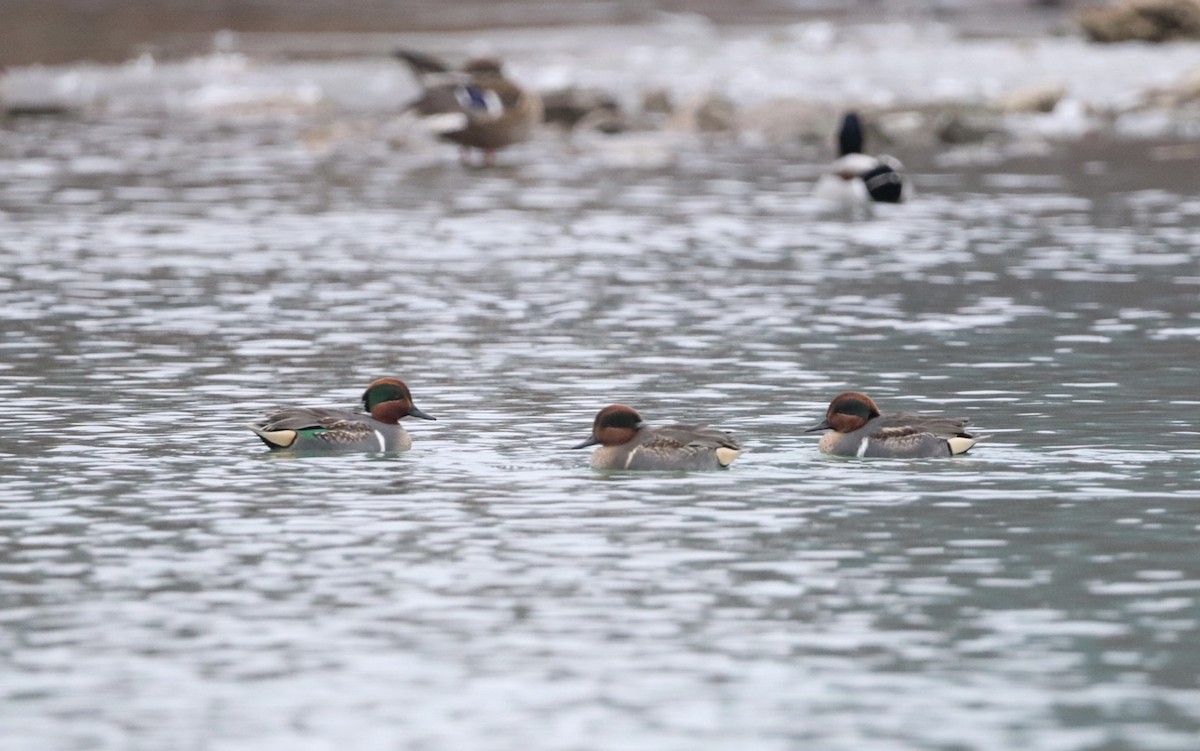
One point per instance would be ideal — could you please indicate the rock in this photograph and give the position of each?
(960, 128)
(1188, 90)
(657, 102)
(708, 114)
(914, 128)
(791, 120)
(716, 114)
(1185, 93)
(1143, 20)
(594, 109)
(1032, 99)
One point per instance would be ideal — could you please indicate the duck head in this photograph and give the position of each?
(848, 412)
(850, 137)
(388, 400)
(484, 66)
(614, 425)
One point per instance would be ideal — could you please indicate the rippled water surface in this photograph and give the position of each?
(167, 583)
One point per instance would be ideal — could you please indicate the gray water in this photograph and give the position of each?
(165, 582)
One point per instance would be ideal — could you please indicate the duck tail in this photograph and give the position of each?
(961, 444)
(726, 455)
(276, 439)
(421, 64)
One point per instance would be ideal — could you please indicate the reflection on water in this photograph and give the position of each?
(168, 584)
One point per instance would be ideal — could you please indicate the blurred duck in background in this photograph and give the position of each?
(476, 107)
(858, 178)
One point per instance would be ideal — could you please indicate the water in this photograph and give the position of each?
(171, 270)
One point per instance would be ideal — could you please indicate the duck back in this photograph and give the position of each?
(671, 447)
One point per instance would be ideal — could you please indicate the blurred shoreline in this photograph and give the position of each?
(51, 32)
(925, 85)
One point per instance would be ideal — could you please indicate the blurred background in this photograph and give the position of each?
(54, 31)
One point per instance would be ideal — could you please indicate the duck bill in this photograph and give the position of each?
(591, 441)
(823, 425)
(414, 412)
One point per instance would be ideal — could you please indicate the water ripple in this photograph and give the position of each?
(165, 582)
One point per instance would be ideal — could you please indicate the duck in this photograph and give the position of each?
(627, 442)
(857, 428)
(856, 177)
(476, 107)
(317, 429)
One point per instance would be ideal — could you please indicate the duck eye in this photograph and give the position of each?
(623, 420)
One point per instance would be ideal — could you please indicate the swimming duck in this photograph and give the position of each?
(626, 442)
(858, 429)
(476, 107)
(855, 176)
(316, 429)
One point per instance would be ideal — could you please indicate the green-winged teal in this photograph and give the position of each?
(856, 428)
(628, 443)
(314, 429)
